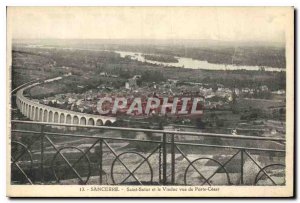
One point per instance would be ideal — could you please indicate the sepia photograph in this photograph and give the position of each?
(150, 101)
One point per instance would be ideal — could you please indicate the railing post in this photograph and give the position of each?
(164, 159)
(42, 153)
(242, 167)
(100, 161)
(173, 159)
(159, 161)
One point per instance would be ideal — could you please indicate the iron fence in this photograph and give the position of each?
(41, 155)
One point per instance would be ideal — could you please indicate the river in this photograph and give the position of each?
(183, 62)
(193, 63)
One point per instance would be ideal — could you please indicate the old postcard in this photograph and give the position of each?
(150, 102)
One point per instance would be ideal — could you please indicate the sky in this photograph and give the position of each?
(211, 23)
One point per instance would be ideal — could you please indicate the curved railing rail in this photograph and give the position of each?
(162, 157)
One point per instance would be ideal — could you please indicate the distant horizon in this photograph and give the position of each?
(160, 41)
(228, 24)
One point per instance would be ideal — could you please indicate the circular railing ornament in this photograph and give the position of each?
(270, 169)
(21, 156)
(221, 168)
(143, 160)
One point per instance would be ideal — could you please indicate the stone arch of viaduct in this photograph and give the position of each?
(43, 113)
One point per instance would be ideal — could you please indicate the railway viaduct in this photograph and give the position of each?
(43, 113)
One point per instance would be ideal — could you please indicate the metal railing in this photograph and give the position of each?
(44, 154)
